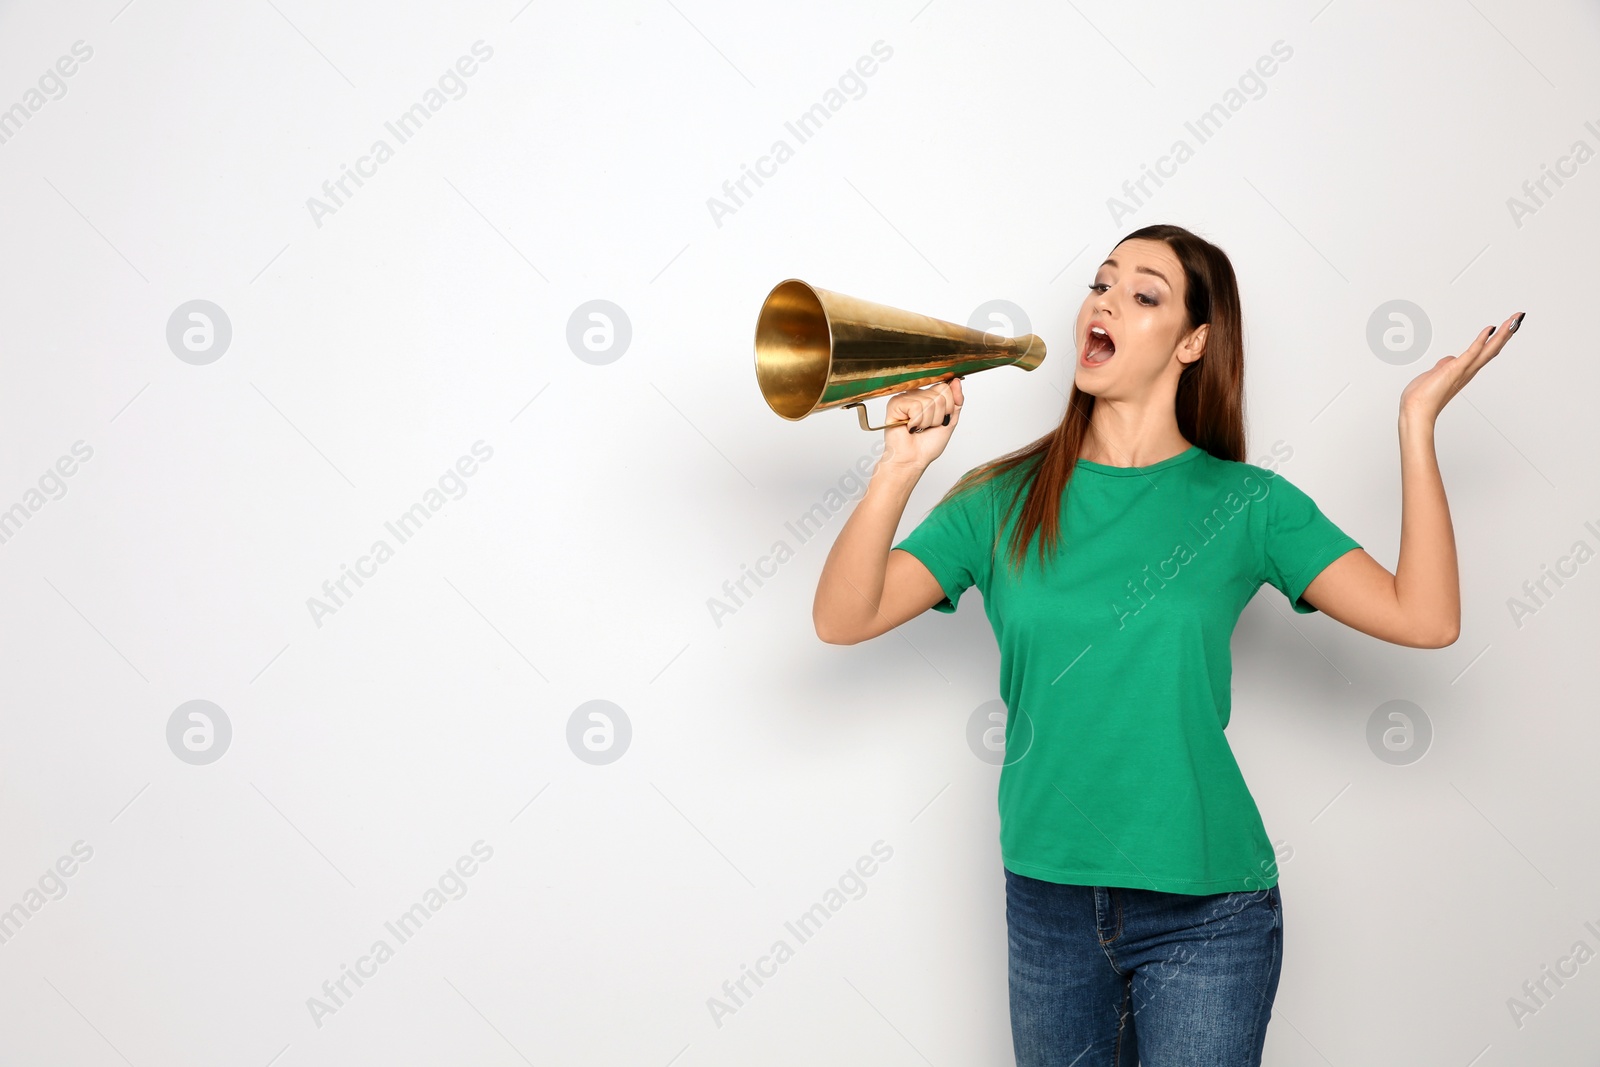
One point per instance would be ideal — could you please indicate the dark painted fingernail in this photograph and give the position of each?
(946, 421)
(1492, 329)
(1516, 322)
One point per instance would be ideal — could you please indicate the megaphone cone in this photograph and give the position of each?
(817, 349)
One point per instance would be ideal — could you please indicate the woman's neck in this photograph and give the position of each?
(1129, 447)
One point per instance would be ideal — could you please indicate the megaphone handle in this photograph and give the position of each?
(861, 413)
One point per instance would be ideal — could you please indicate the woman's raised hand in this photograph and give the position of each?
(934, 412)
(1428, 393)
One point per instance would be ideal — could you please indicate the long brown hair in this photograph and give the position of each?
(1209, 402)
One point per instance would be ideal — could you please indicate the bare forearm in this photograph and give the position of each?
(850, 587)
(1426, 581)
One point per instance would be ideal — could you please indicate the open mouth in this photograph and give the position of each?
(1098, 346)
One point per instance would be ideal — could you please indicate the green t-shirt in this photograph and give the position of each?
(1115, 664)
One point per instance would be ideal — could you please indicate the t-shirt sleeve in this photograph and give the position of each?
(1298, 542)
(955, 543)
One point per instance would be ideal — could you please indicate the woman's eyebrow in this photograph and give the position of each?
(1140, 270)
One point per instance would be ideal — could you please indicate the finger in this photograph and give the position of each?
(946, 405)
(1490, 340)
(1504, 331)
(1469, 355)
(952, 394)
(925, 410)
(908, 406)
(1488, 345)
(913, 419)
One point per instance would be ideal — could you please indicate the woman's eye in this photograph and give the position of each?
(1147, 300)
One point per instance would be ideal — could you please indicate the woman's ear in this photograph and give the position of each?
(1195, 346)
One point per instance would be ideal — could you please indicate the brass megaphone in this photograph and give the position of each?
(817, 349)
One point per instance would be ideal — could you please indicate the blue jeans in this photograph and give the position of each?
(1114, 977)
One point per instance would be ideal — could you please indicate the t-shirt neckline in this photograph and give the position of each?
(1127, 472)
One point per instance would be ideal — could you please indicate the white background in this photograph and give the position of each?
(430, 711)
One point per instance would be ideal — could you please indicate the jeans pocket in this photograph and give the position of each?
(1246, 901)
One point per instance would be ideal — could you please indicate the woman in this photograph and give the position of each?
(1142, 904)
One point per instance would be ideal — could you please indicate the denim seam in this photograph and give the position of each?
(1123, 1025)
(1261, 1001)
(1116, 909)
